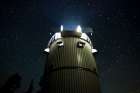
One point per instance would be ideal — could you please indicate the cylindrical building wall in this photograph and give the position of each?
(71, 67)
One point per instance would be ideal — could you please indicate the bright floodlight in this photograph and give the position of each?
(94, 50)
(91, 34)
(47, 50)
(61, 28)
(79, 29)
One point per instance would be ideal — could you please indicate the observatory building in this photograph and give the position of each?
(70, 65)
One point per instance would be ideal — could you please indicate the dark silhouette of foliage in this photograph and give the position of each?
(12, 84)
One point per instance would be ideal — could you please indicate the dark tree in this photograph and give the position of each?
(12, 84)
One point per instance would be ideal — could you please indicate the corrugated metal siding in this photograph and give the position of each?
(65, 67)
(73, 81)
(70, 55)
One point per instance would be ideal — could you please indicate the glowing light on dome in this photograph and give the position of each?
(61, 28)
(79, 29)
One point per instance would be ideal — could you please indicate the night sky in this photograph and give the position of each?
(25, 27)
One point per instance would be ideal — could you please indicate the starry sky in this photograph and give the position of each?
(25, 27)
